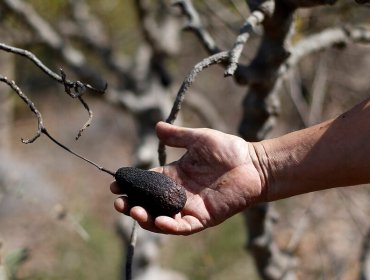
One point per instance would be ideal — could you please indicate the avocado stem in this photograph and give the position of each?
(101, 168)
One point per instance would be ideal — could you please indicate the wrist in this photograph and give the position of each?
(261, 163)
(290, 165)
(280, 164)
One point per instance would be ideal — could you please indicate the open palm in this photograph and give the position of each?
(218, 172)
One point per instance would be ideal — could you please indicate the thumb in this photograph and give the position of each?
(174, 136)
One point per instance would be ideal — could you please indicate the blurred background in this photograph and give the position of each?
(56, 212)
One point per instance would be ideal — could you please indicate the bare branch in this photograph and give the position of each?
(89, 120)
(41, 128)
(130, 251)
(101, 168)
(31, 105)
(260, 109)
(246, 30)
(331, 37)
(205, 63)
(194, 24)
(79, 91)
(260, 106)
(77, 86)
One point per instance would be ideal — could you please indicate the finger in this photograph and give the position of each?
(114, 188)
(175, 136)
(122, 205)
(179, 226)
(168, 170)
(158, 169)
(144, 219)
(138, 213)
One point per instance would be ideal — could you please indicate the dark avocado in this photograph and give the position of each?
(157, 193)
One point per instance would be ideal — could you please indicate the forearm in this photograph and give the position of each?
(332, 154)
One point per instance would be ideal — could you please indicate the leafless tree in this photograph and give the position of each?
(144, 85)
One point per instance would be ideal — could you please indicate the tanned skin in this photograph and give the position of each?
(223, 174)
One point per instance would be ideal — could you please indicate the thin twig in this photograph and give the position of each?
(79, 90)
(31, 105)
(88, 122)
(73, 89)
(78, 87)
(194, 24)
(246, 30)
(130, 251)
(41, 128)
(46, 70)
(205, 63)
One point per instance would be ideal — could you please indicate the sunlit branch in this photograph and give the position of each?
(205, 63)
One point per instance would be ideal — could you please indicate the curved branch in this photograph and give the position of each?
(331, 37)
(41, 128)
(205, 63)
(194, 24)
(59, 78)
(246, 30)
(78, 87)
(31, 105)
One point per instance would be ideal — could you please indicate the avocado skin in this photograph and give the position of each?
(157, 193)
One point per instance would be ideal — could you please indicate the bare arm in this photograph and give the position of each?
(332, 154)
(223, 174)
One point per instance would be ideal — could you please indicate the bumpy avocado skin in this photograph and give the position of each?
(157, 193)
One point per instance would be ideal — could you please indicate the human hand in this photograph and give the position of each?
(220, 173)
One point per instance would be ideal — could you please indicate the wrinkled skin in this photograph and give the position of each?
(219, 172)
